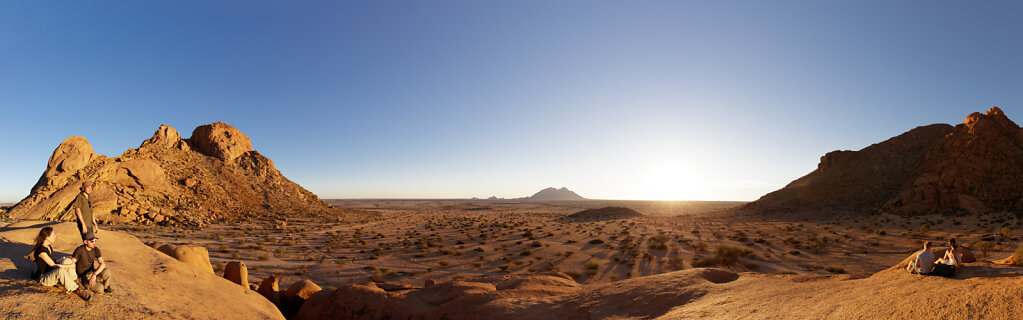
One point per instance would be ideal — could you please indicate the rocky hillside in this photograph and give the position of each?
(973, 167)
(213, 175)
(555, 194)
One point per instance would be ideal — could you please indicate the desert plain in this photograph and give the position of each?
(404, 243)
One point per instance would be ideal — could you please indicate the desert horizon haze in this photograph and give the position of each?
(490, 160)
(658, 100)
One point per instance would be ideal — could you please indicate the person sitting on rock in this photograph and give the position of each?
(49, 272)
(924, 262)
(953, 256)
(950, 262)
(93, 277)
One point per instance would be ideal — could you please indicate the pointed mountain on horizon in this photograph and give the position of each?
(555, 194)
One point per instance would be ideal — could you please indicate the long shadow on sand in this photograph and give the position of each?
(18, 279)
(34, 226)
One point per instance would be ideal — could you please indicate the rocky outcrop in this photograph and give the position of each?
(296, 295)
(971, 168)
(214, 175)
(976, 168)
(237, 273)
(70, 156)
(220, 140)
(269, 288)
(195, 256)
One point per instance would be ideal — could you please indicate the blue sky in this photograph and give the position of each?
(714, 100)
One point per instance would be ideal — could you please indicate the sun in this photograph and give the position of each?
(669, 183)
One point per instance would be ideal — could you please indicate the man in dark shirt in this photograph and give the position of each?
(93, 277)
(83, 210)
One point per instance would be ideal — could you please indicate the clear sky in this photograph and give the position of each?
(712, 100)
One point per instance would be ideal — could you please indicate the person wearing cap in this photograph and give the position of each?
(89, 265)
(83, 210)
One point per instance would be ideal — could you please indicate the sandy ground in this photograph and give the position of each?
(406, 242)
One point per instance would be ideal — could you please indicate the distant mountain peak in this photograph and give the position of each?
(551, 193)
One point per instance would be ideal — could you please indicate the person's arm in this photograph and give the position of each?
(102, 266)
(49, 261)
(81, 222)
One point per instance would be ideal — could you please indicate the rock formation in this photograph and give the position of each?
(237, 273)
(555, 194)
(971, 168)
(195, 256)
(213, 175)
(269, 288)
(296, 295)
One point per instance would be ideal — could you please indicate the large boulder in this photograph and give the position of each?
(165, 137)
(70, 156)
(195, 256)
(220, 140)
(269, 288)
(296, 295)
(237, 273)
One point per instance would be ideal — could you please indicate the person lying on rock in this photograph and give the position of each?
(83, 210)
(91, 276)
(924, 262)
(49, 272)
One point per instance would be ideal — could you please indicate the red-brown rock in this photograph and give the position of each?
(220, 140)
(237, 273)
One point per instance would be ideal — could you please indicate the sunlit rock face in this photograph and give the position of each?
(168, 180)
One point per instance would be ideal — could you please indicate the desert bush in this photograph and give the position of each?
(834, 269)
(675, 263)
(723, 255)
(984, 247)
(924, 228)
(699, 247)
(592, 265)
(596, 241)
(526, 252)
(1019, 254)
(573, 274)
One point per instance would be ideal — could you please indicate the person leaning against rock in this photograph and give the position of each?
(91, 276)
(83, 211)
